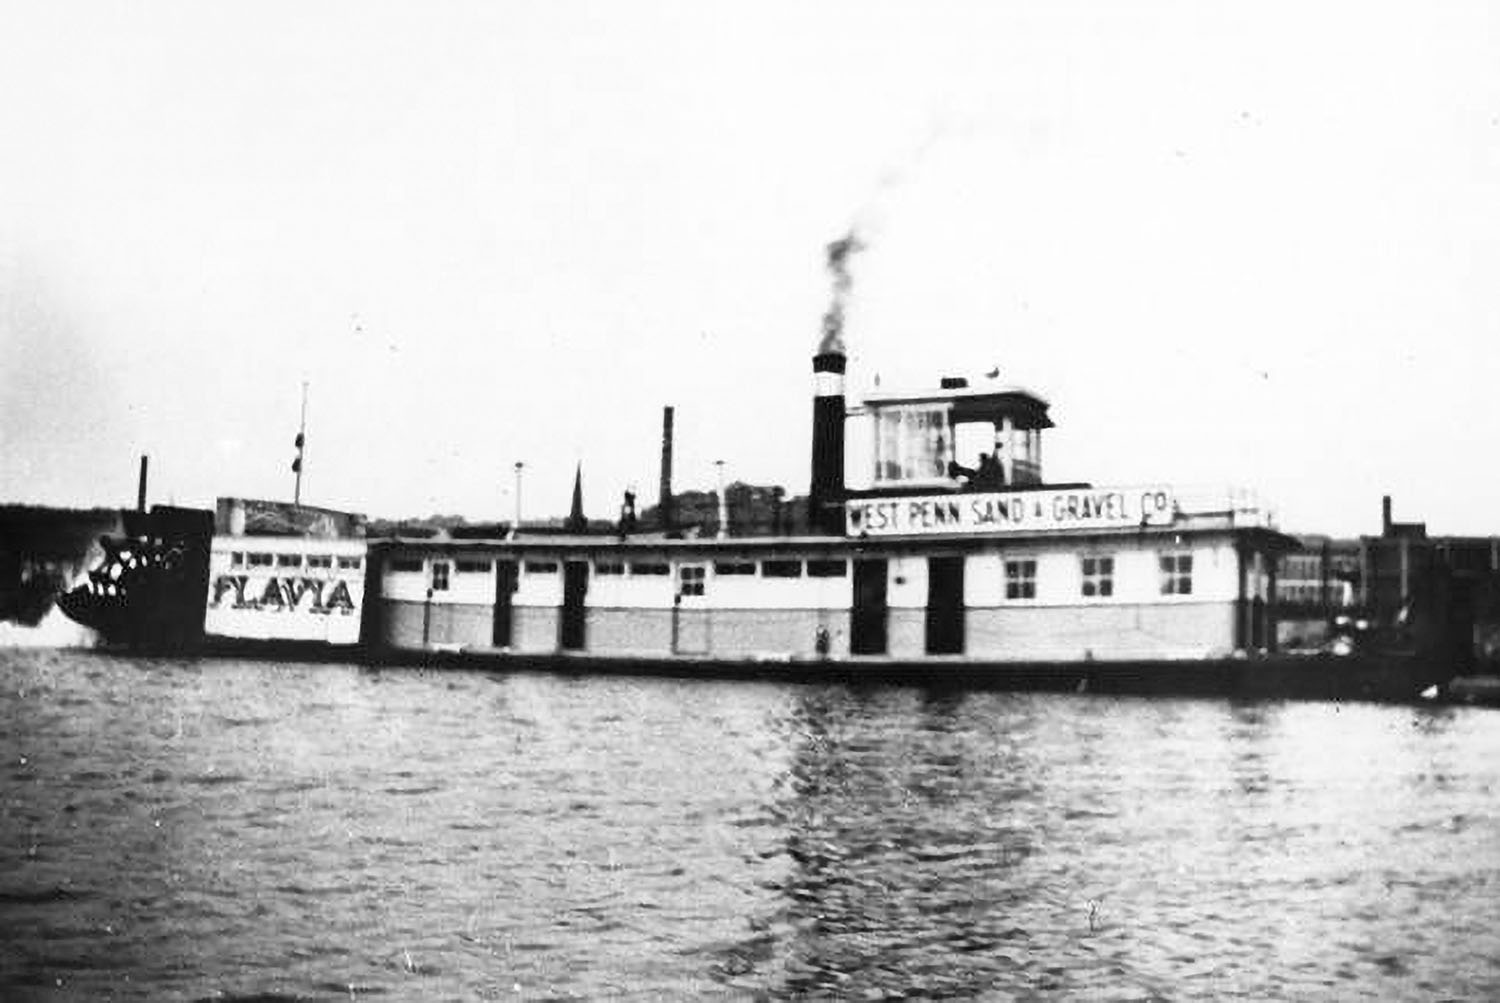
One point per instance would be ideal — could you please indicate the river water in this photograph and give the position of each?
(255, 831)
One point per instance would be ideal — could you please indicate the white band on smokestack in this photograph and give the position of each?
(828, 384)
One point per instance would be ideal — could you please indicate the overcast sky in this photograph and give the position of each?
(1252, 244)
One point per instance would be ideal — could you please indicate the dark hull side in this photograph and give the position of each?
(1398, 677)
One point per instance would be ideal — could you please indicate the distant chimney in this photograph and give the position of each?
(826, 493)
(140, 489)
(1385, 515)
(664, 508)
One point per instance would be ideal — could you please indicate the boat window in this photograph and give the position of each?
(406, 564)
(439, 576)
(781, 569)
(648, 568)
(351, 562)
(319, 560)
(289, 560)
(734, 567)
(1020, 579)
(1176, 574)
(1098, 576)
(237, 559)
(827, 569)
(609, 567)
(259, 560)
(472, 567)
(912, 443)
(541, 567)
(692, 577)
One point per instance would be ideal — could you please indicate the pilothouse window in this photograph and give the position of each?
(912, 443)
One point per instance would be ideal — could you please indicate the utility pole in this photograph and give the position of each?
(515, 527)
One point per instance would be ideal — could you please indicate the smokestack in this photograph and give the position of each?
(1385, 515)
(664, 508)
(140, 490)
(826, 494)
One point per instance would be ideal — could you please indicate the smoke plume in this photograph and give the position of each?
(839, 253)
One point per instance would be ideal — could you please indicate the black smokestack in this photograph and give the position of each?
(664, 507)
(826, 493)
(140, 488)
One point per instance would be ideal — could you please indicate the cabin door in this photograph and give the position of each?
(868, 620)
(505, 590)
(690, 617)
(570, 627)
(945, 605)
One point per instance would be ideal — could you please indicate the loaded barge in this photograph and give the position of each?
(929, 572)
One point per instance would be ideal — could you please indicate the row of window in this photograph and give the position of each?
(1097, 573)
(260, 559)
(770, 568)
(1098, 576)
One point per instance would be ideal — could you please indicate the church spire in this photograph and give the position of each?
(576, 522)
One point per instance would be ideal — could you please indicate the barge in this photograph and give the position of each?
(929, 571)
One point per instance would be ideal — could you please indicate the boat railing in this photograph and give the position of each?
(1239, 506)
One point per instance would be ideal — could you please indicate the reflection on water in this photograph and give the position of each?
(187, 830)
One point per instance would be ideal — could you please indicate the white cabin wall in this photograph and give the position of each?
(474, 588)
(758, 616)
(753, 592)
(539, 588)
(907, 587)
(404, 586)
(1059, 574)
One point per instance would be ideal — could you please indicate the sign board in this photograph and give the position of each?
(1011, 512)
(286, 589)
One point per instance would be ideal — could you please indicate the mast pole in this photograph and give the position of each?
(301, 442)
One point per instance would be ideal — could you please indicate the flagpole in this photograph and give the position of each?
(301, 442)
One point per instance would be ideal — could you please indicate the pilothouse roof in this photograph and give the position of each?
(987, 400)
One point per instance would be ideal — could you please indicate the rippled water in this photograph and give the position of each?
(220, 830)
